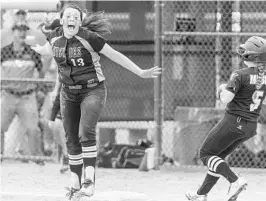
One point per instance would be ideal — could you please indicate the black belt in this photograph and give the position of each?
(20, 93)
(82, 86)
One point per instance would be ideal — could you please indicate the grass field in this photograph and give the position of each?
(30, 182)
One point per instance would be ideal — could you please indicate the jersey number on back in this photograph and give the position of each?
(256, 98)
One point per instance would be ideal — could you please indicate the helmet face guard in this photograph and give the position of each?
(252, 56)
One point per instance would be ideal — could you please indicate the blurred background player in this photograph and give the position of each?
(20, 61)
(19, 16)
(244, 94)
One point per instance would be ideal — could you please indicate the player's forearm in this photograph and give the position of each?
(57, 84)
(55, 108)
(126, 63)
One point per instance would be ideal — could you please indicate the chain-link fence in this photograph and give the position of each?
(129, 97)
(199, 53)
(199, 42)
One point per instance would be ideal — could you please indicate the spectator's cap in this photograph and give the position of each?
(20, 12)
(20, 26)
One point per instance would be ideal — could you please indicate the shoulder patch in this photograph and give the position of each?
(233, 76)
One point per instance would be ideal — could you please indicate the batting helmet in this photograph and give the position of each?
(254, 50)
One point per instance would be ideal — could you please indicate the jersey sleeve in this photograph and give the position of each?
(96, 41)
(51, 35)
(234, 83)
(53, 25)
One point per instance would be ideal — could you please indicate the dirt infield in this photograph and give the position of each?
(30, 182)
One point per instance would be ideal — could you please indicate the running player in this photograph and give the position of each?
(243, 94)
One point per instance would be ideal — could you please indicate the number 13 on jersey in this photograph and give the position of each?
(78, 62)
(256, 98)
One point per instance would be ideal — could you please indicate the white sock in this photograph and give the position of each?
(74, 180)
(89, 173)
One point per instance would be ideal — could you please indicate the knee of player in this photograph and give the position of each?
(88, 142)
(73, 149)
(203, 156)
(74, 152)
(73, 144)
(88, 134)
(87, 130)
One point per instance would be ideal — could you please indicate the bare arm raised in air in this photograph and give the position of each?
(45, 50)
(128, 64)
(114, 56)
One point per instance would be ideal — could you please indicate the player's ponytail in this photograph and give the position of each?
(261, 70)
(97, 23)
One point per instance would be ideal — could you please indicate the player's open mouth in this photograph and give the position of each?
(71, 27)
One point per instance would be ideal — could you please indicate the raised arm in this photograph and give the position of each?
(45, 50)
(128, 64)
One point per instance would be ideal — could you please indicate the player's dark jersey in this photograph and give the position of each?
(78, 57)
(248, 100)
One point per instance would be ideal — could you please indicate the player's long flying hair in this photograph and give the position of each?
(260, 77)
(97, 23)
(93, 21)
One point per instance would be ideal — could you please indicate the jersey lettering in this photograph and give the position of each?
(253, 79)
(59, 52)
(74, 52)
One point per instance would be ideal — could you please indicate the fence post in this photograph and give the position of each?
(158, 84)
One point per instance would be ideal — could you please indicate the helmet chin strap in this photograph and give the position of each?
(250, 64)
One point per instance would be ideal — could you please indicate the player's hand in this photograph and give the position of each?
(37, 48)
(30, 40)
(151, 73)
(219, 90)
